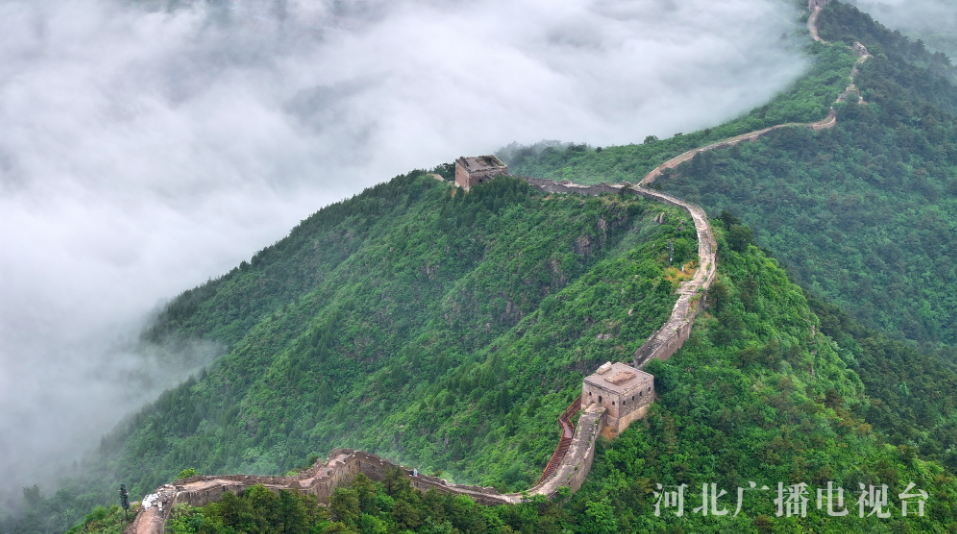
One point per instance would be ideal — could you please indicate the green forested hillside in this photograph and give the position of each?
(759, 393)
(863, 214)
(423, 338)
(448, 330)
(910, 390)
(441, 329)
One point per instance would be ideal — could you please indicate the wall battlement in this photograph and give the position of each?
(474, 170)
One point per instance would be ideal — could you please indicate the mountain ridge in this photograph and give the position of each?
(706, 243)
(791, 378)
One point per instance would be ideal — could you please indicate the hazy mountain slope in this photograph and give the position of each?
(845, 23)
(862, 214)
(931, 21)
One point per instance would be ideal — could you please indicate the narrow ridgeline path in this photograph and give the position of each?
(669, 338)
(815, 6)
(827, 122)
(572, 459)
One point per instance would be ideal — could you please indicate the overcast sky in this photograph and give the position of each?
(144, 150)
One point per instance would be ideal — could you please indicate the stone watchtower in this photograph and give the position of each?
(476, 170)
(624, 391)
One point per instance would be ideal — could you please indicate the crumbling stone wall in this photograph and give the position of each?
(551, 186)
(320, 480)
(345, 464)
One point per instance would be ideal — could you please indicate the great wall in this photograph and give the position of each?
(572, 459)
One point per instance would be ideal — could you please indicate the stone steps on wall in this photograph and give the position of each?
(564, 442)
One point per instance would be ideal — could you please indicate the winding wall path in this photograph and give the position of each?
(573, 457)
(568, 466)
(345, 464)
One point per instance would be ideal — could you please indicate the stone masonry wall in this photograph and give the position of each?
(320, 480)
(664, 342)
(577, 462)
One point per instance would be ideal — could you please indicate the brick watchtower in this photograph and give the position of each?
(624, 391)
(472, 171)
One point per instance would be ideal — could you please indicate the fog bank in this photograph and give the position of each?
(144, 149)
(933, 21)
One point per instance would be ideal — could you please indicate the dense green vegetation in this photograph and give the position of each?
(103, 521)
(861, 214)
(367, 507)
(910, 390)
(452, 327)
(256, 510)
(759, 393)
(856, 219)
(448, 330)
(445, 330)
